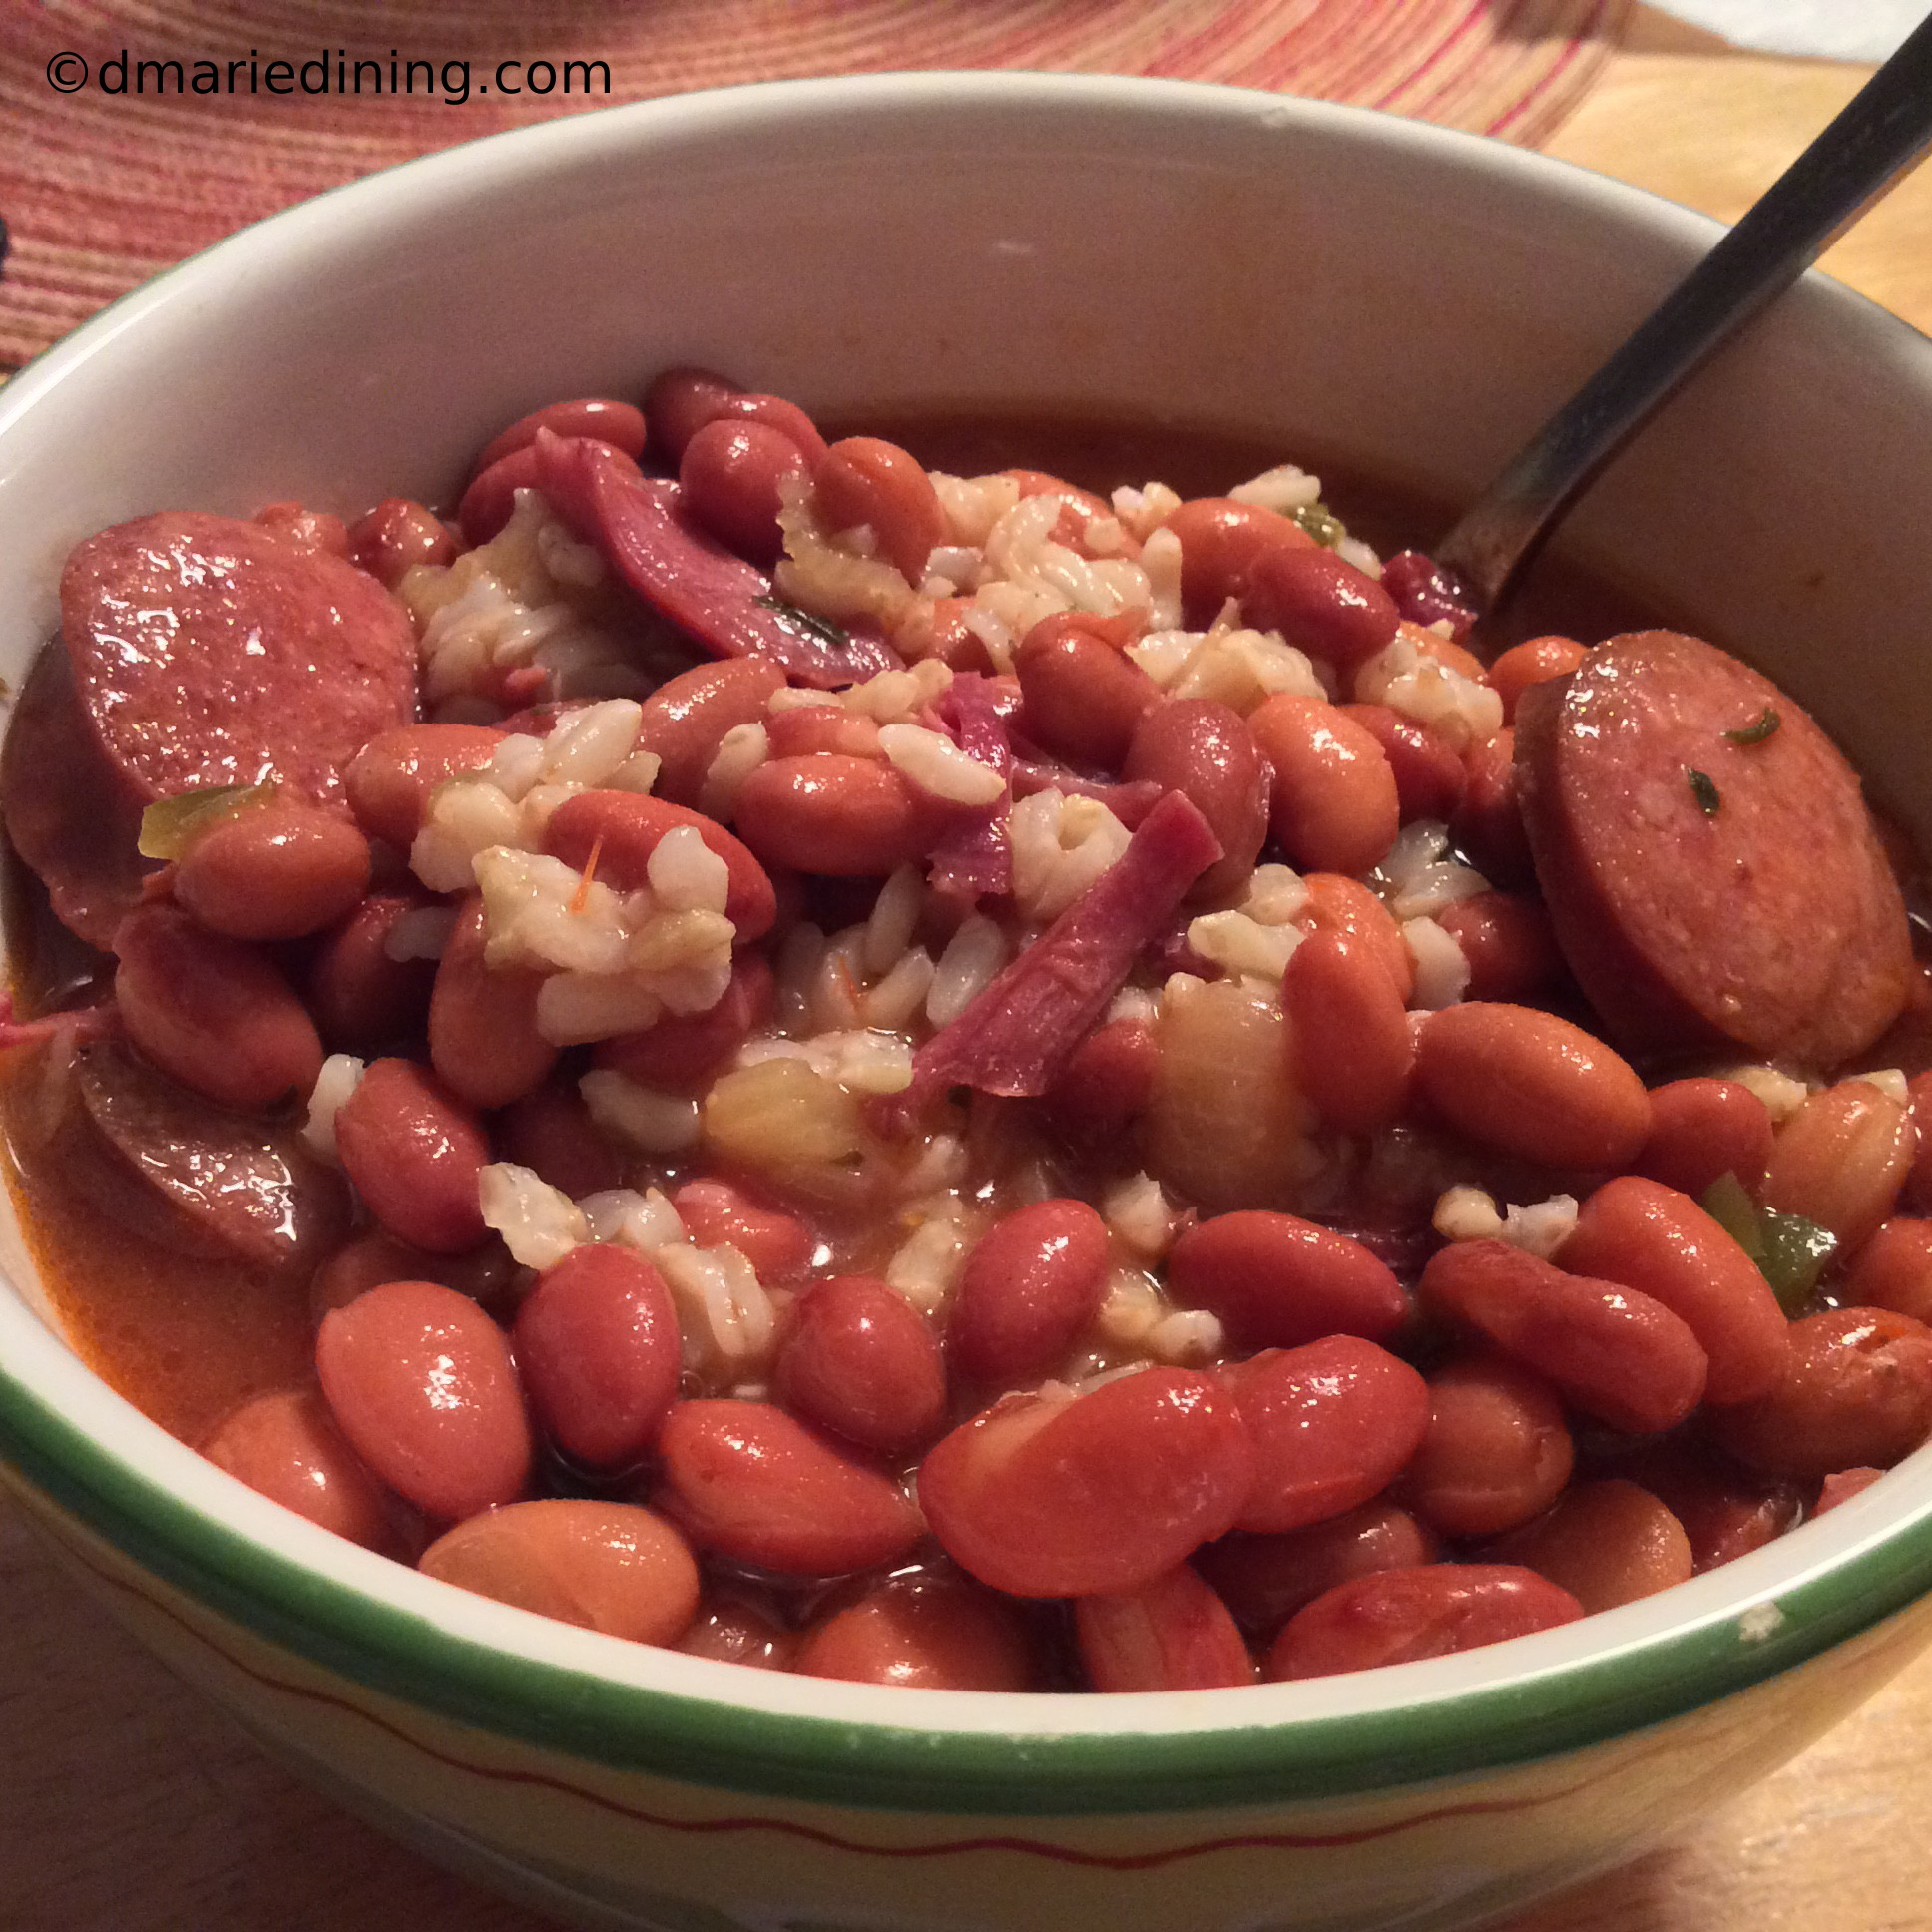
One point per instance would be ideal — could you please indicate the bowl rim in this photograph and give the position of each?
(629, 1706)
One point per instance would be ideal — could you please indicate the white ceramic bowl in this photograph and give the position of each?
(1413, 299)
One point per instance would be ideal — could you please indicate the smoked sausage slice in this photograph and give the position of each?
(1713, 874)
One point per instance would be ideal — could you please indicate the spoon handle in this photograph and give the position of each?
(1873, 143)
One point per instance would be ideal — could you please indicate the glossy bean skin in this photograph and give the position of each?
(1530, 663)
(1916, 1193)
(277, 871)
(1726, 1511)
(597, 1343)
(1337, 904)
(1084, 697)
(1703, 1129)
(678, 403)
(1277, 1281)
(682, 1051)
(212, 1012)
(1333, 807)
(777, 1245)
(609, 1567)
(420, 1381)
(390, 779)
(551, 1132)
(607, 419)
(490, 497)
(867, 480)
(1351, 1044)
(1333, 1423)
(752, 1484)
(1651, 1237)
(1894, 1269)
(1265, 1579)
(1400, 1616)
(730, 477)
(1220, 541)
(1429, 773)
(734, 1629)
(415, 1154)
(1032, 1284)
(835, 816)
(483, 1038)
(1173, 1633)
(1606, 1543)
(772, 412)
(931, 1630)
(483, 1274)
(856, 1358)
(687, 717)
(1074, 1495)
(1507, 940)
(1841, 1160)
(286, 1445)
(364, 1001)
(305, 528)
(1106, 1084)
(1205, 749)
(1524, 1082)
(1321, 603)
(1856, 1393)
(1615, 1352)
(390, 540)
(808, 729)
(1496, 1451)
(1488, 824)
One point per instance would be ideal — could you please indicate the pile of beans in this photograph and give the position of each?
(1292, 1255)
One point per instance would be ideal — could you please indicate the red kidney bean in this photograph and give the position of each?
(1333, 808)
(1606, 1543)
(1321, 603)
(733, 475)
(1220, 541)
(1841, 1486)
(1400, 1616)
(1106, 1084)
(1894, 1269)
(551, 1132)
(1205, 749)
(483, 1038)
(1429, 775)
(857, 1358)
(420, 1380)
(1265, 1579)
(390, 779)
(1488, 824)
(753, 1485)
(1527, 1082)
(839, 817)
(212, 1013)
(1496, 1450)
(1703, 1129)
(734, 1629)
(1652, 1237)
(483, 1274)
(1530, 663)
(1173, 1633)
(1067, 1493)
(687, 717)
(362, 1000)
(1841, 1161)
(625, 829)
(1857, 1391)
(1333, 1423)
(602, 418)
(809, 729)
(716, 1214)
(415, 1154)
(677, 404)
(1337, 904)
(277, 871)
(286, 1445)
(683, 1051)
(490, 497)
(1348, 1031)
(398, 534)
(933, 1632)
(1506, 939)
(609, 1567)
(1084, 695)
(1617, 1353)
(597, 1342)
(953, 640)
(1028, 1289)
(1916, 1192)
(1277, 1281)
(772, 412)
(306, 529)
(1725, 1512)
(867, 480)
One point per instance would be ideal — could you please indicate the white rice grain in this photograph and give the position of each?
(1242, 947)
(1441, 966)
(1782, 1094)
(1140, 1216)
(576, 1008)
(973, 957)
(646, 1222)
(420, 933)
(1283, 489)
(925, 1267)
(895, 916)
(739, 753)
(654, 1122)
(687, 875)
(539, 1223)
(333, 1084)
(940, 767)
(1467, 1214)
(894, 999)
(586, 746)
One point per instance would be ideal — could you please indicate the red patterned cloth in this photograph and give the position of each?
(109, 172)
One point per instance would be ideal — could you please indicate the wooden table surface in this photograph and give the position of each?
(129, 1806)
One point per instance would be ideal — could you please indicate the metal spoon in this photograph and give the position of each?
(1878, 138)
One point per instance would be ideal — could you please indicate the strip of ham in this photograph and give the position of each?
(975, 859)
(687, 577)
(1018, 1033)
